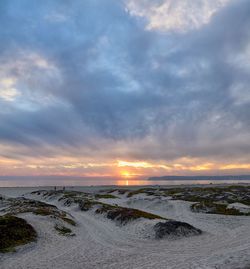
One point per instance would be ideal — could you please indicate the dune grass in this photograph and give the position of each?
(17, 206)
(14, 232)
(216, 208)
(105, 196)
(62, 230)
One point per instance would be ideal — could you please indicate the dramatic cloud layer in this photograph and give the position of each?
(157, 86)
(176, 15)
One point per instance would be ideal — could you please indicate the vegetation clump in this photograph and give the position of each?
(69, 221)
(14, 232)
(115, 212)
(216, 208)
(123, 215)
(105, 196)
(147, 191)
(217, 198)
(62, 194)
(87, 204)
(73, 197)
(173, 228)
(120, 191)
(213, 200)
(23, 205)
(62, 230)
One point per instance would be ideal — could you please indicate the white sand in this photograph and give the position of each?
(239, 206)
(100, 243)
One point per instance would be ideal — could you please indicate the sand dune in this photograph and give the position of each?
(102, 243)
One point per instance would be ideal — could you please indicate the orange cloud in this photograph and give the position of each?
(115, 168)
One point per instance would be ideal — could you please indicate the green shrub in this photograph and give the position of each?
(215, 208)
(105, 196)
(69, 221)
(63, 230)
(14, 232)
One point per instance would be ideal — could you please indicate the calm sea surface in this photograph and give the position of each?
(30, 182)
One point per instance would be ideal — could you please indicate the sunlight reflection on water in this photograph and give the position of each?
(105, 181)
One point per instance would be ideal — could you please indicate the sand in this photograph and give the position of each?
(101, 243)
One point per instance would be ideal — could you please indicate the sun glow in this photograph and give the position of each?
(126, 174)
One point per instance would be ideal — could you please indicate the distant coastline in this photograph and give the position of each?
(228, 177)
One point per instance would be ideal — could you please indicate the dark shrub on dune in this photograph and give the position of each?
(172, 228)
(14, 232)
(124, 215)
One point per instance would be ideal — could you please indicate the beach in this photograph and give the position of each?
(99, 242)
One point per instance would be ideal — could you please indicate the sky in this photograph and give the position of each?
(124, 88)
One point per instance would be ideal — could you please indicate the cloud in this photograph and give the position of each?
(91, 80)
(175, 15)
(7, 90)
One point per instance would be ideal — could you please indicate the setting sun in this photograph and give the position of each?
(126, 174)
